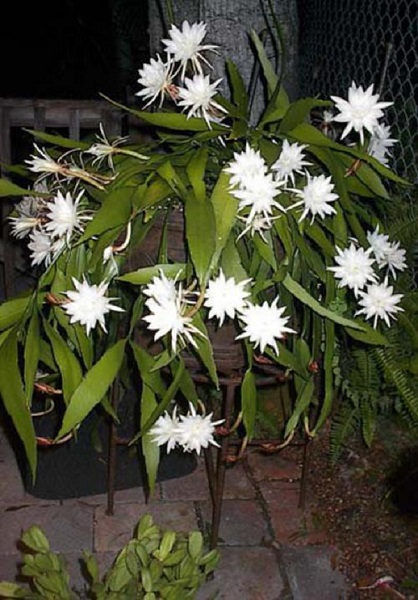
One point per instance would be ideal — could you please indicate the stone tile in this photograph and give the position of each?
(310, 573)
(129, 495)
(11, 484)
(242, 523)
(291, 525)
(68, 528)
(9, 566)
(112, 532)
(190, 487)
(237, 484)
(244, 573)
(266, 467)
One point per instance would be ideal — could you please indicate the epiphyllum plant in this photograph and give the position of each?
(281, 238)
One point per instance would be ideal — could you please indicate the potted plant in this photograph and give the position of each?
(281, 237)
(153, 565)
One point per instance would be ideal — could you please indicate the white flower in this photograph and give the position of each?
(388, 254)
(259, 194)
(185, 45)
(28, 219)
(64, 216)
(43, 163)
(258, 224)
(355, 268)
(379, 143)
(105, 149)
(156, 77)
(41, 247)
(394, 259)
(361, 111)
(316, 197)
(162, 289)
(164, 430)
(245, 166)
(195, 432)
(224, 297)
(290, 161)
(263, 324)
(168, 318)
(88, 305)
(380, 244)
(379, 302)
(197, 98)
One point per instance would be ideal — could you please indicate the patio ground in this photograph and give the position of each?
(270, 548)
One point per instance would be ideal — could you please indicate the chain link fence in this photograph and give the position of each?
(373, 41)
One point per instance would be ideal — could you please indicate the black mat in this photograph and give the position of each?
(78, 468)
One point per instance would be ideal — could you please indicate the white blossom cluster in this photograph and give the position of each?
(170, 312)
(358, 269)
(191, 431)
(166, 77)
(363, 111)
(50, 224)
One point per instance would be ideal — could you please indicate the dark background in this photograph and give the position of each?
(72, 48)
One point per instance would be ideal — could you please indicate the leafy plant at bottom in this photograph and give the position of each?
(155, 564)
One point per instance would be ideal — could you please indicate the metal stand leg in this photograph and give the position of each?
(112, 455)
(217, 497)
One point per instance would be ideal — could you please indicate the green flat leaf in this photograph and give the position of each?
(170, 120)
(11, 590)
(200, 235)
(58, 140)
(12, 310)
(238, 91)
(114, 211)
(7, 188)
(369, 336)
(145, 362)
(328, 360)
(298, 112)
(35, 539)
(150, 449)
(196, 173)
(31, 354)
(249, 402)
(14, 399)
(225, 209)
(297, 290)
(66, 361)
(304, 399)
(204, 348)
(371, 180)
(144, 276)
(266, 65)
(93, 387)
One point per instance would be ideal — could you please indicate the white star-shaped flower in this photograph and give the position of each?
(316, 197)
(64, 216)
(258, 224)
(164, 430)
(156, 78)
(264, 324)
(245, 166)
(291, 161)
(28, 217)
(355, 268)
(88, 304)
(394, 259)
(43, 163)
(41, 246)
(104, 148)
(379, 302)
(380, 142)
(185, 45)
(195, 431)
(379, 243)
(161, 289)
(224, 297)
(197, 98)
(361, 111)
(259, 195)
(169, 318)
